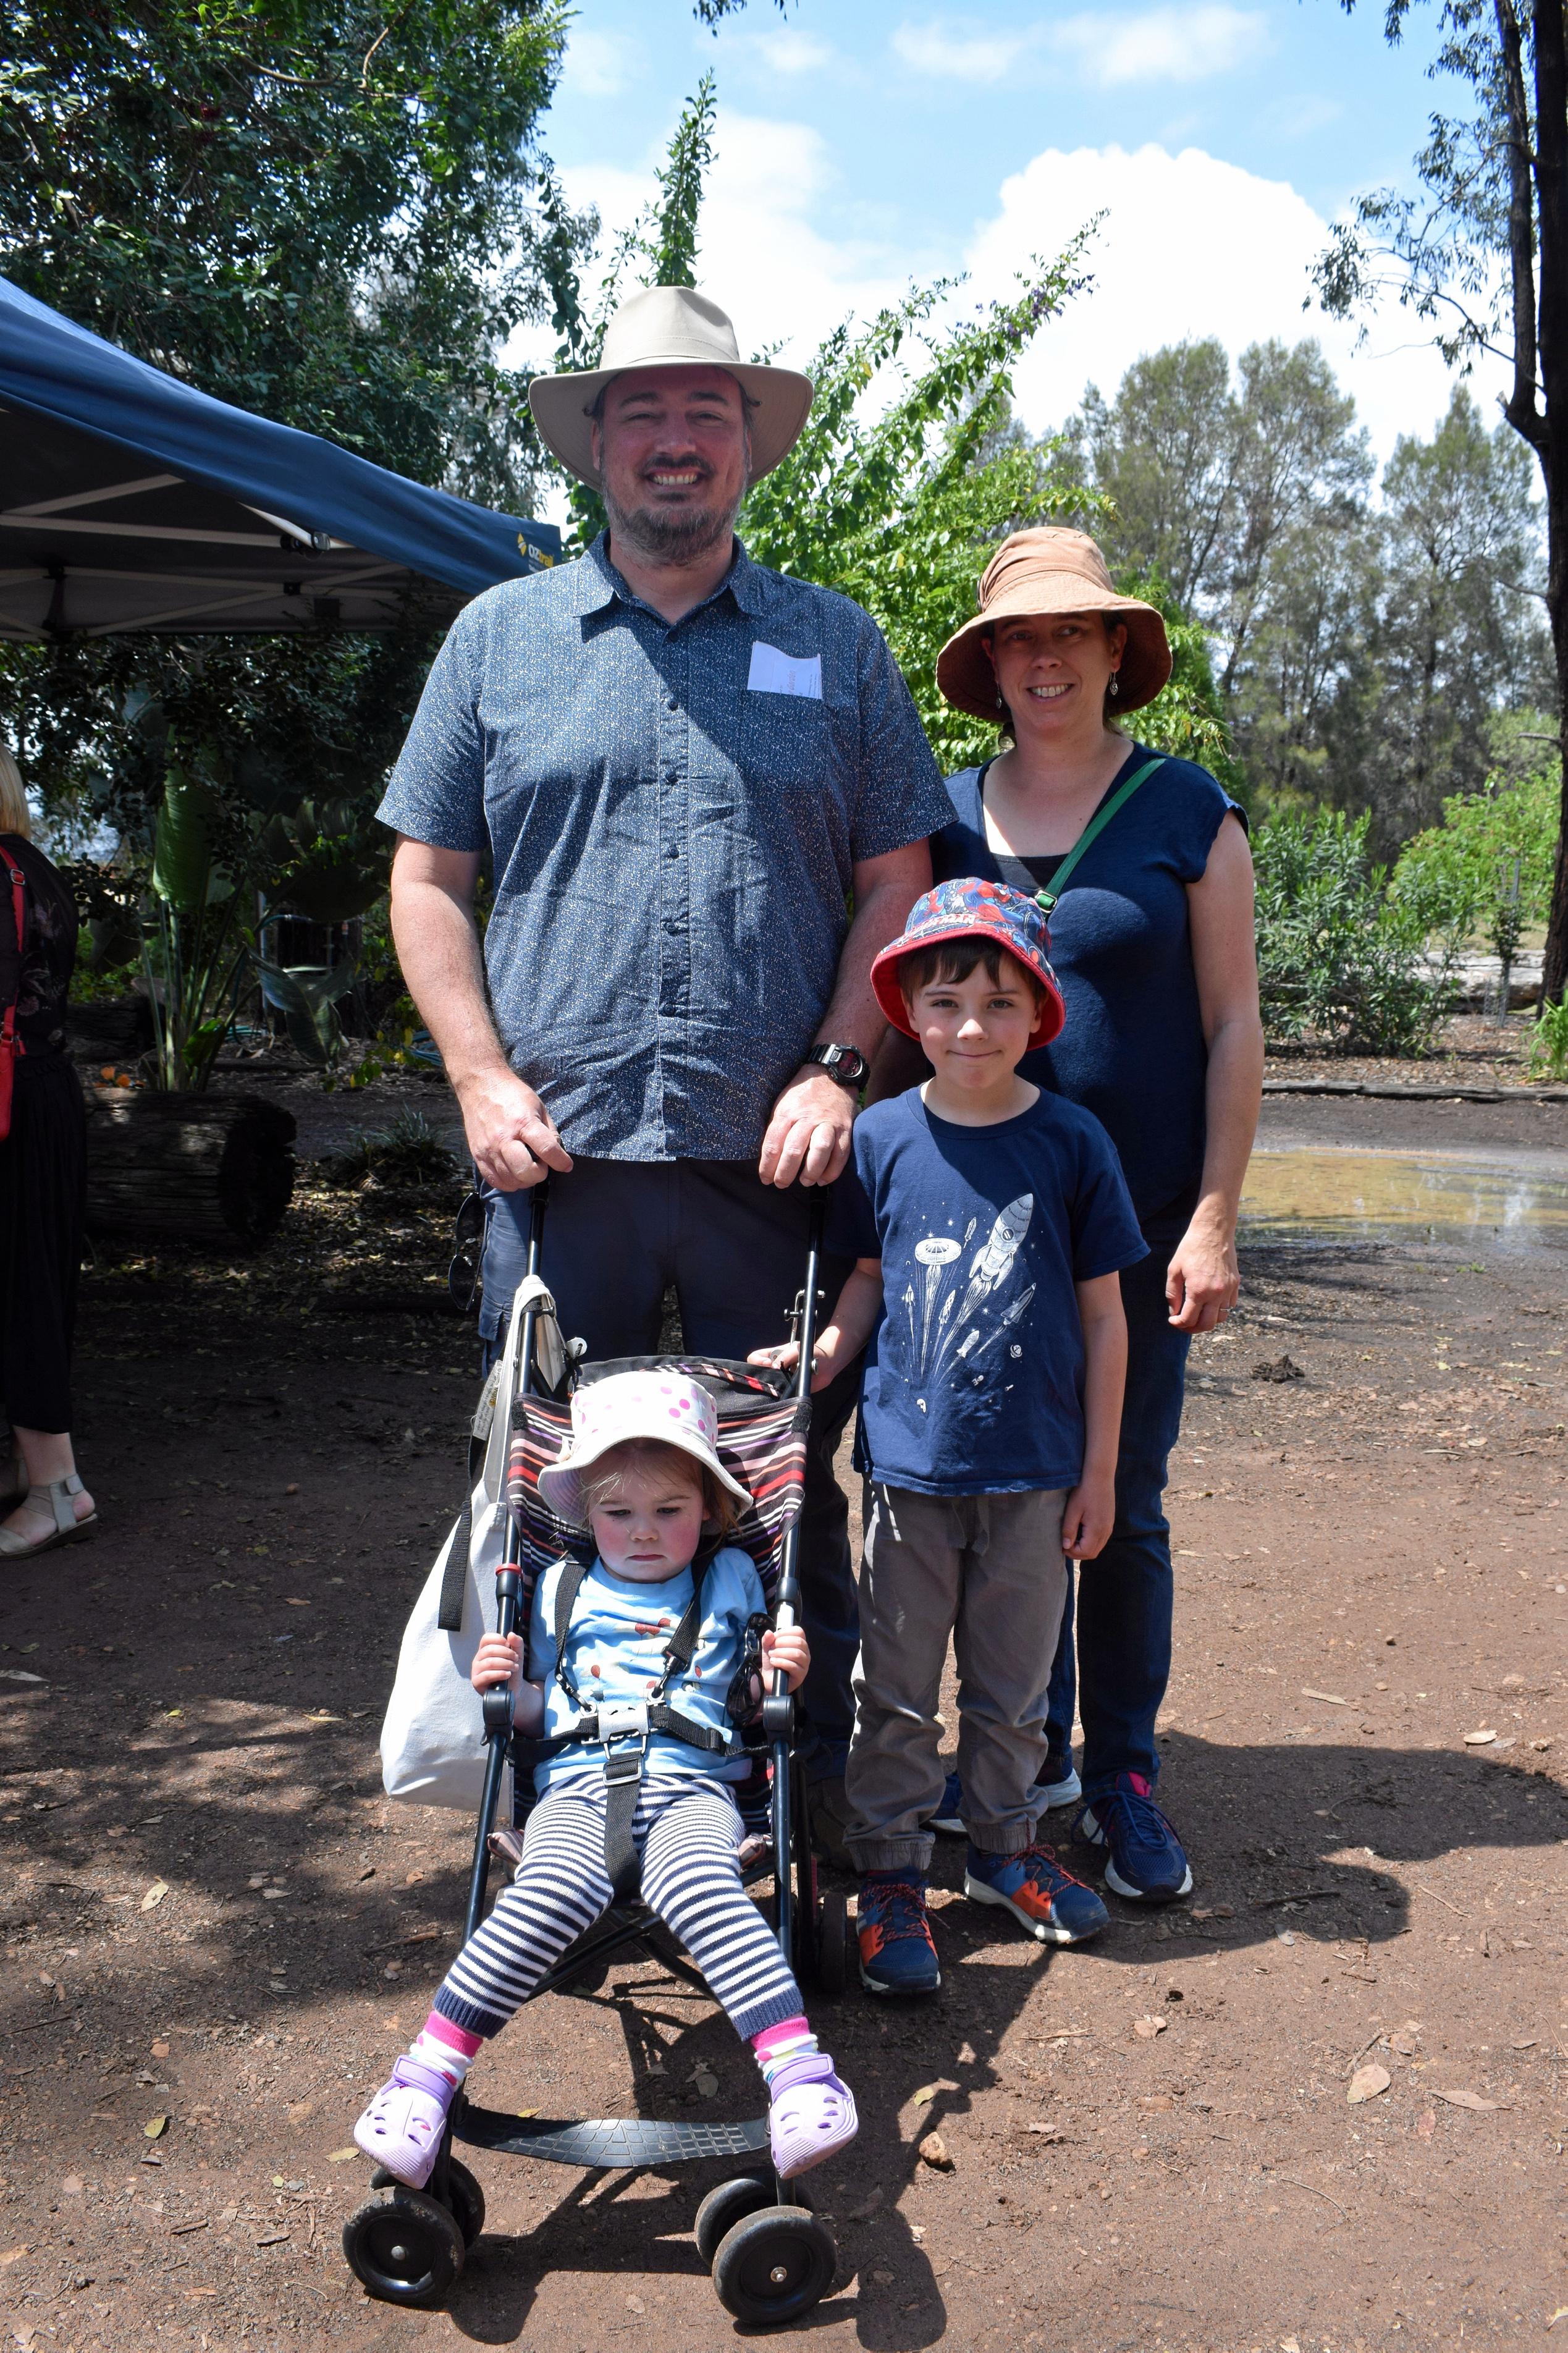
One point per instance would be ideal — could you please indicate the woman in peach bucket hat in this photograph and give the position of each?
(1152, 939)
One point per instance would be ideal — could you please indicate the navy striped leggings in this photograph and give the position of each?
(687, 1834)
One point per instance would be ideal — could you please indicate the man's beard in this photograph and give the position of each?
(670, 534)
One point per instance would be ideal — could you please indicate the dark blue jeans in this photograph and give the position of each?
(1125, 1598)
(618, 1235)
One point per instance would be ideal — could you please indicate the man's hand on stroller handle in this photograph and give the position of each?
(510, 1137)
(784, 1650)
(498, 1659)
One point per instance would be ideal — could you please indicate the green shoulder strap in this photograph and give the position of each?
(1053, 890)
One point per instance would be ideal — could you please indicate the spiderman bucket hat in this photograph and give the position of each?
(655, 1403)
(969, 909)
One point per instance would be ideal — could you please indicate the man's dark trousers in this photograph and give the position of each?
(618, 1234)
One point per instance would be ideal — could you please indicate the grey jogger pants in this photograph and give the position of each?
(988, 1570)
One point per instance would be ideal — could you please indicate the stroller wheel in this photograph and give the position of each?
(467, 2200)
(405, 2249)
(833, 1942)
(773, 2266)
(724, 2206)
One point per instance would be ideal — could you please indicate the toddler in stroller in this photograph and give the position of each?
(667, 1619)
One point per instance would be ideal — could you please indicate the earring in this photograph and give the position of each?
(1115, 687)
(1000, 704)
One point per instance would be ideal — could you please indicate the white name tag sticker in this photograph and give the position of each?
(773, 672)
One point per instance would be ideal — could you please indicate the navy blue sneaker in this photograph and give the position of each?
(1044, 1898)
(897, 1954)
(950, 1819)
(1143, 1856)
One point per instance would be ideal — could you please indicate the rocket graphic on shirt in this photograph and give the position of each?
(961, 1319)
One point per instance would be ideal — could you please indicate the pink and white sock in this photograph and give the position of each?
(448, 2048)
(792, 2039)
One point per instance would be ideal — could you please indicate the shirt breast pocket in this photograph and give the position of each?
(792, 775)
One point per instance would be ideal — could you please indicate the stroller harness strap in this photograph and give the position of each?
(608, 1726)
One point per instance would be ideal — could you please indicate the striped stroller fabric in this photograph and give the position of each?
(762, 1442)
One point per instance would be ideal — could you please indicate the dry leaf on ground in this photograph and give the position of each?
(1467, 2100)
(928, 2091)
(155, 2127)
(155, 1895)
(1482, 1738)
(341, 2156)
(1367, 2083)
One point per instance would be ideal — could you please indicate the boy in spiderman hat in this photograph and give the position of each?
(990, 1222)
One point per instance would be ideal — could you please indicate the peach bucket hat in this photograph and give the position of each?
(1051, 570)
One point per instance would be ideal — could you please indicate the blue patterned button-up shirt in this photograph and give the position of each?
(674, 814)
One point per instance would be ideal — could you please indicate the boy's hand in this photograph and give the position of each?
(787, 1651)
(786, 1357)
(498, 1660)
(1088, 1516)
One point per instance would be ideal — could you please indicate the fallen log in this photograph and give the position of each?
(208, 1169)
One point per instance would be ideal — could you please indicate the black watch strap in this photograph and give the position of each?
(847, 1064)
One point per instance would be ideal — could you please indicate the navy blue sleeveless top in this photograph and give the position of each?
(1133, 1050)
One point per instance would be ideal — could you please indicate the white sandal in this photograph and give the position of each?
(58, 1496)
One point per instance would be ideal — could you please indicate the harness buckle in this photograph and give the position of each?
(623, 1722)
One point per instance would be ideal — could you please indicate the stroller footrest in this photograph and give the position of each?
(607, 2141)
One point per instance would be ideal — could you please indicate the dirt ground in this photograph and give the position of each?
(218, 1932)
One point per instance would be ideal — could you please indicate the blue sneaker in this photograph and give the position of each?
(1143, 1856)
(897, 1954)
(1058, 1784)
(1044, 1898)
(950, 1819)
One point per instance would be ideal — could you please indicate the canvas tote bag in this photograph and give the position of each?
(433, 1735)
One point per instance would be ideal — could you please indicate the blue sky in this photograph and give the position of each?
(864, 143)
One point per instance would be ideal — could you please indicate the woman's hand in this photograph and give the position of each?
(1089, 1516)
(498, 1660)
(1204, 1277)
(786, 1650)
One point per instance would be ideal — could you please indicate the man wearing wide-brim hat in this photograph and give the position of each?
(685, 769)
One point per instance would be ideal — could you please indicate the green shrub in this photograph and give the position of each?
(1459, 875)
(1342, 960)
(1549, 1042)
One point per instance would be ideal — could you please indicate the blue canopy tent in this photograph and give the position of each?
(130, 501)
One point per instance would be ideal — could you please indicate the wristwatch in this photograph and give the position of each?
(847, 1064)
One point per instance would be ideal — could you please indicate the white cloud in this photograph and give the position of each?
(952, 49)
(793, 53)
(601, 65)
(1190, 247)
(1164, 44)
(1182, 43)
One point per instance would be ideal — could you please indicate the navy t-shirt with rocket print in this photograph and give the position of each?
(973, 1378)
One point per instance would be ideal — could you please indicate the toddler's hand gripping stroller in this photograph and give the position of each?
(772, 2259)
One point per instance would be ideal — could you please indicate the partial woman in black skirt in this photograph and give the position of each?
(43, 1182)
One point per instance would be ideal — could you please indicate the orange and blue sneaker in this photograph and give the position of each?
(1044, 1898)
(1144, 1859)
(897, 1954)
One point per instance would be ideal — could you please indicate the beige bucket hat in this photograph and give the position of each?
(668, 326)
(1051, 570)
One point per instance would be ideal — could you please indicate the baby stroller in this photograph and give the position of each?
(772, 2259)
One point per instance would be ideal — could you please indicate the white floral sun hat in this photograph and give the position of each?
(667, 1405)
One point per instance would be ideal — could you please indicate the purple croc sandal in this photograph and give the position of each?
(811, 2116)
(403, 2125)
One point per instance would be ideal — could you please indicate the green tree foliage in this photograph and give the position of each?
(1481, 257)
(1455, 873)
(1342, 960)
(1458, 629)
(333, 215)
